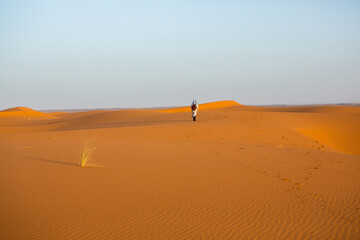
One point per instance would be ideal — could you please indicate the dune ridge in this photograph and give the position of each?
(210, 105)
(21, 112)
(309, 109)
(15, 109)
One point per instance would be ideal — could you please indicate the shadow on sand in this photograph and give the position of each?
(44, 160)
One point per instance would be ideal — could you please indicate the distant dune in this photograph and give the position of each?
(211, 105)
(21, 112)
(16, 109)
(239, 172)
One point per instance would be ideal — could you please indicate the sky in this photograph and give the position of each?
(124, 54)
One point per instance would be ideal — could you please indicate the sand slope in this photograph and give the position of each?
(205, 106)
(21, 112)
(334, 126)
(237, 173)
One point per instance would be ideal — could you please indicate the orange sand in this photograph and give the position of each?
(22, 113)
(237, 173)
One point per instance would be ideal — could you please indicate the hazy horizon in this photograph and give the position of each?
(110, 54)
(175, 106)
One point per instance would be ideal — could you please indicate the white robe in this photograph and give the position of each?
(194, 112)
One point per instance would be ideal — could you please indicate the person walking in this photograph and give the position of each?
(194, 109)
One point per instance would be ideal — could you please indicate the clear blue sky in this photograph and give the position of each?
(91, 54)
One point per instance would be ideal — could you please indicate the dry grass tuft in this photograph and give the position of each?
(86, 153)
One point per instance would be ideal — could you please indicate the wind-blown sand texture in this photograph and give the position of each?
(238, 172)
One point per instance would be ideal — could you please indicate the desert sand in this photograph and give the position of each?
(239, 172)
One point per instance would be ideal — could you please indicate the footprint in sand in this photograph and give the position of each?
(298, 187)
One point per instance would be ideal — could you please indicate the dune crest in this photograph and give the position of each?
(17, 109)
(219, 104)
(21, 112)
(210, 105)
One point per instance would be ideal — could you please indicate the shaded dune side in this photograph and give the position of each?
(106, 119)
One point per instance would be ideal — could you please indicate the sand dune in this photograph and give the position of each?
(21, 112)
(312, 109)
(211, 105)
(17, 109)
(239, 172)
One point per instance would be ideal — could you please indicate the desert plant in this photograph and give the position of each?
(86, 153)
